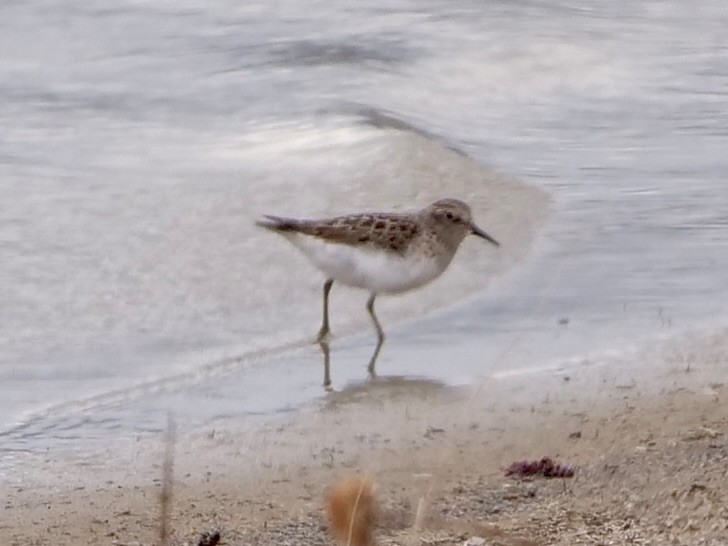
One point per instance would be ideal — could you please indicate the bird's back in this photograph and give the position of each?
(385, 231)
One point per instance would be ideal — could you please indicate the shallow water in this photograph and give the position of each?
(140, 142)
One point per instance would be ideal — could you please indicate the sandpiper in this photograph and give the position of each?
(384, 253)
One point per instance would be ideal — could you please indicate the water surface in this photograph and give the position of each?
(140, 141)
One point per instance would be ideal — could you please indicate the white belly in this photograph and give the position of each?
(379, 272)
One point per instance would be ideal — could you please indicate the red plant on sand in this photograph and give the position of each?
(546, 467)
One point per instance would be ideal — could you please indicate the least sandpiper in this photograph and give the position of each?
(384, 253)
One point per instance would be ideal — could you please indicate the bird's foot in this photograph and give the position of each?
(323, 335)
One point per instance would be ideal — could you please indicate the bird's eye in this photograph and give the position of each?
(449, 215)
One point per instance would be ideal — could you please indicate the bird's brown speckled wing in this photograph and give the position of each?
(393, 232)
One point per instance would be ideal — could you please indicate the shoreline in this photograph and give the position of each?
(649, 447)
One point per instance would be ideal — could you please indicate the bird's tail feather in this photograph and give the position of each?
(277, 223)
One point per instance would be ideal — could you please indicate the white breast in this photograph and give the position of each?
(377, 271)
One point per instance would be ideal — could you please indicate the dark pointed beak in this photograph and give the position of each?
(475, 230)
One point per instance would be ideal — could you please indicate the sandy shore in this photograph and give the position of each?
(649, 444)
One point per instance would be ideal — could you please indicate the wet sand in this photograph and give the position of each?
(648, 437)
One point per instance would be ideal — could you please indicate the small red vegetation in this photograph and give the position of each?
(352, 511)
(546, 467)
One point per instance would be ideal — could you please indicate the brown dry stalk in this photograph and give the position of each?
(165, 497)
(352, 511)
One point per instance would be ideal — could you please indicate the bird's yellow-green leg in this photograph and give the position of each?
(323, 333)
(380, 335)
